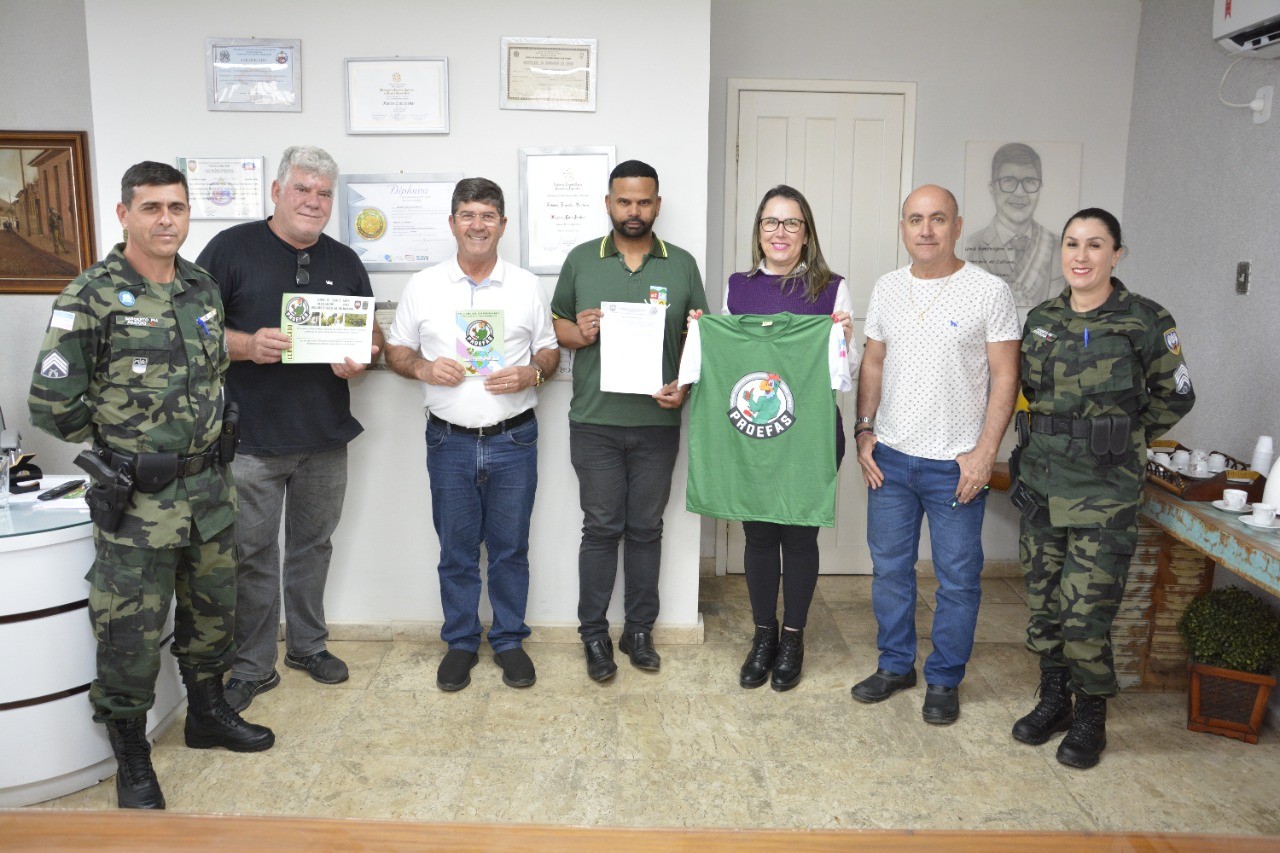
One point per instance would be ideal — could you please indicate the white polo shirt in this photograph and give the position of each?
(935, 384)
(426, 319)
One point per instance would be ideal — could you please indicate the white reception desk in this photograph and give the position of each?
(49, 744)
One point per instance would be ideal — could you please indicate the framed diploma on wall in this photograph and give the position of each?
(397, 223)
(562, 194)
(548, 74)
(253, 75)
(407, 94)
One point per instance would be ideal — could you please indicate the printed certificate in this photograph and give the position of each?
(631, 347)
(548, 74)
(562, 194)
(327, 329)
(401, 95)
(481, 342)
(397, 223)
(225, 187)
(253, 74)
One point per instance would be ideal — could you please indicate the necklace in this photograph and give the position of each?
(911, 291)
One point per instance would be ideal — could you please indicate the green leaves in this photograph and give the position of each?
(1234, 629)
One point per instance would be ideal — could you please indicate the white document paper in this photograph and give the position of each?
(631, 347)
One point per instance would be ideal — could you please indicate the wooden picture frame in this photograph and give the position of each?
(46, 220)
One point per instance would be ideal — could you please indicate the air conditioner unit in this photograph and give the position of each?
(1250, 27)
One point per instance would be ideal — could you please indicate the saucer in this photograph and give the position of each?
(1188, 473)
(1274, 525)
(1220, 505)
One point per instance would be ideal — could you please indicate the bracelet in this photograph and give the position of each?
(539, 377)
(861, 428)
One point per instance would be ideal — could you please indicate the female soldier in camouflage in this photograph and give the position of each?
(1103, 371)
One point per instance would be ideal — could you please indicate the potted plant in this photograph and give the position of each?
(1233, 637)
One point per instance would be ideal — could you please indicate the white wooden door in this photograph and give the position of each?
(849, 152)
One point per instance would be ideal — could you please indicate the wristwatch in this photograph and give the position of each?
(868, 421)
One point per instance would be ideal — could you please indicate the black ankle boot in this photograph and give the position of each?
(1052, 713)
(786, 667)
(764, 648)
(136, 784)
(1083, 745)
(211, 722)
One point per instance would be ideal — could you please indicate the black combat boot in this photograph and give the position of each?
(786, 668)
(211, 722)
(1083, 745)
(764, 648)
(136, 784)
(1052, 713)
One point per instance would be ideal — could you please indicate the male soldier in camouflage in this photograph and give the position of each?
(1103, 371)
(133, 361)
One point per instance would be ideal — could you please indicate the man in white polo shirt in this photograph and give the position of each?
(935, 394)
(476, 331)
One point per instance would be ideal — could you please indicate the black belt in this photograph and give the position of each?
(494, 429)
(188, 466)
(1073, 427)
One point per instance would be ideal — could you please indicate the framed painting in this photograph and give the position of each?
(46, 221)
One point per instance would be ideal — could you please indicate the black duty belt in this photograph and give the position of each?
(494, 429)
(1074, 427)
(188, 466)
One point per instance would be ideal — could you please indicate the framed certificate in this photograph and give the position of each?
(397, 223)
(562, 194)
(225, 187)
(254, 75)
(399, 95)
(548, 74)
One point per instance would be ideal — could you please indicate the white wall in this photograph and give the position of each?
(985, 70)
(148, 93)
(42, 42)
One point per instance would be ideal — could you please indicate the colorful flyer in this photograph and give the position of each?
(327, 329)
(481, 343)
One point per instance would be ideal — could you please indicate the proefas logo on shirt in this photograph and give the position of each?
(762, 406)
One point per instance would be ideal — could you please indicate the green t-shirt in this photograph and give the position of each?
(595, 272)
(762, 423)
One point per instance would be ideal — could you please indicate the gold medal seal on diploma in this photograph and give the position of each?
(371, 223)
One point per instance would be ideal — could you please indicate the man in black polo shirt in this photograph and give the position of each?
(295, 423)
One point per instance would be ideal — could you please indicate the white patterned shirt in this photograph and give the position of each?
(935, 384)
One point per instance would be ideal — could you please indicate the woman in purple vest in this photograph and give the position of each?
(790, 275)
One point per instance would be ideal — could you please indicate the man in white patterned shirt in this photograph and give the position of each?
(935, 393)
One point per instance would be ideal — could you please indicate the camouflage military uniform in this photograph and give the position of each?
(1122, 358)
(138, 367)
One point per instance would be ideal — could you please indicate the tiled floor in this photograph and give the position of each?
(688, 747)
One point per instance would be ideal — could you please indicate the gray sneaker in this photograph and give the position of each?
(239, 692)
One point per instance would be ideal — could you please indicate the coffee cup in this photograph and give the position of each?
(1217, 462)
(1199, 454)
(1181, 459)
(1264, 513)
(1200, 467)
(1234, 498)
(1164, 459)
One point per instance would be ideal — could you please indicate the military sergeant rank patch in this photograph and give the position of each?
(54, 366)
(761, 406)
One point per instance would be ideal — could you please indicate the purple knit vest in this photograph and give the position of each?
(761, 293)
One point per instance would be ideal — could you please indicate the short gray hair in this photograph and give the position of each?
(308, 159)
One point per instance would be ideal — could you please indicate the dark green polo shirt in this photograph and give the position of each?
(595, 272)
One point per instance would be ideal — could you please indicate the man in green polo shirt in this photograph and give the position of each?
(623, 446)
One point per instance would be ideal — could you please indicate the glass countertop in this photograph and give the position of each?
(26, 515)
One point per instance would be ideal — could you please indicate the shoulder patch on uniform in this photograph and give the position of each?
(62, 320)
(1041, 332)
(1172, 342)
(54, 366)
(1182, 379)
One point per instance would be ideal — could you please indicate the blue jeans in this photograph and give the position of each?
(315, 485)
(913, 488)
(482, 490)
(624, 480)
